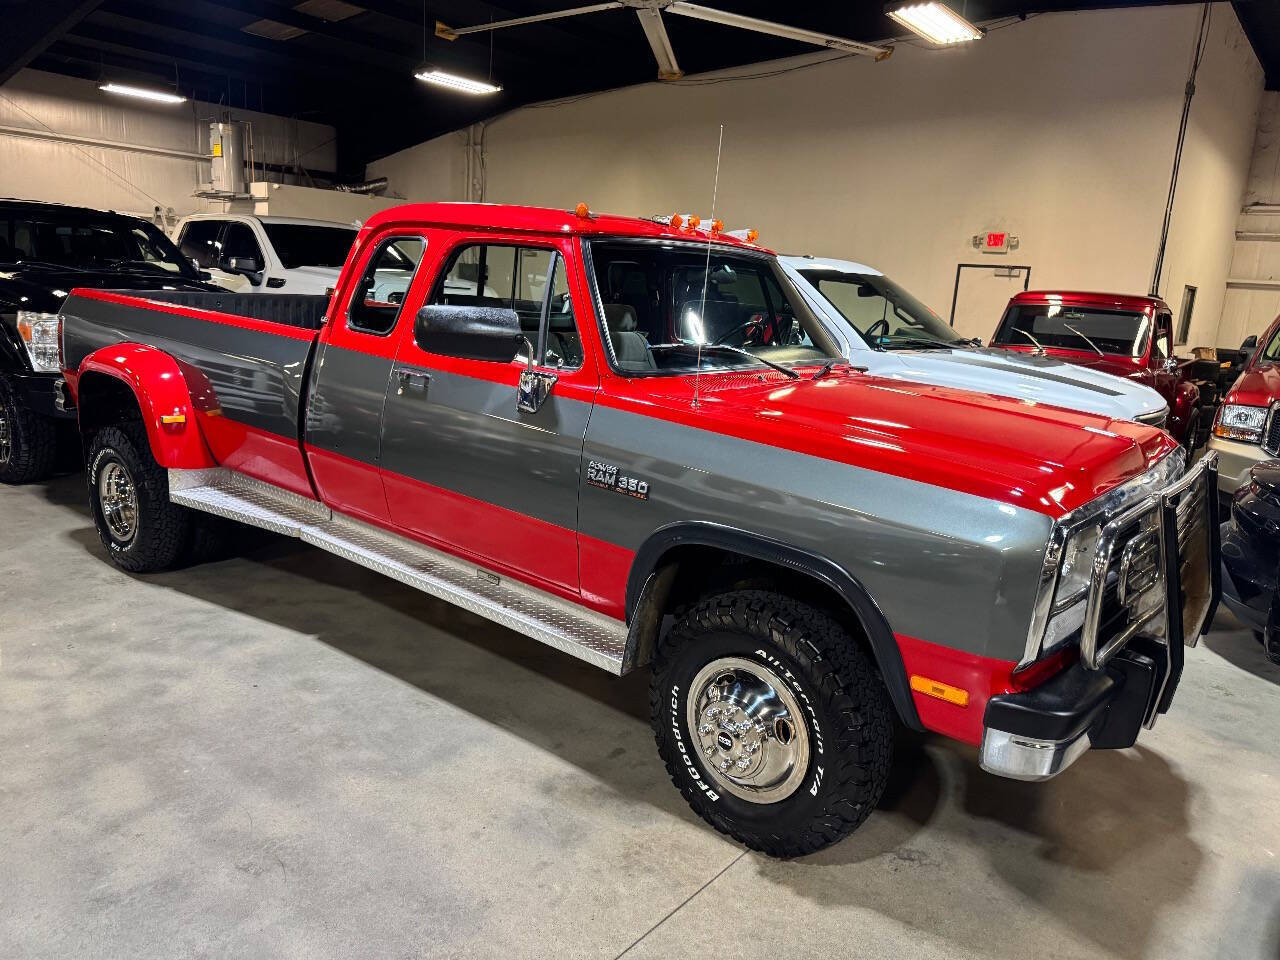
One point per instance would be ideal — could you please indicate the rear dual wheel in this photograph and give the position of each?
(772, 722)
(129, 495)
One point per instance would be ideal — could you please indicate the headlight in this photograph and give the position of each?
(1238, 422)
(41, 334)
(1070, 584)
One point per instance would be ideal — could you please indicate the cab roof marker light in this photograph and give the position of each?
(452, 81)
(142, 93)
(936, 22)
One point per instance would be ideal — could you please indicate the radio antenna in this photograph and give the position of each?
(706, 273)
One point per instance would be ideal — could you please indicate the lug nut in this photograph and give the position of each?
(705, 729)
(743, 763)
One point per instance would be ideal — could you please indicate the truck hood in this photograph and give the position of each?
(1039, 379)
(43, 289)
(1020, 452)
(1257, 387)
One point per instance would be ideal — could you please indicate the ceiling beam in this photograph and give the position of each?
(30, 28)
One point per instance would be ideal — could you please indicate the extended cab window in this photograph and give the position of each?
(377, 302)
(529, 280)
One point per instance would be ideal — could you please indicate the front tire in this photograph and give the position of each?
(129, 495)
(28, 441)
(772, 722)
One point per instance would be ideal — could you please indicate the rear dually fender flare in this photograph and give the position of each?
(162, 394)
(645, 587)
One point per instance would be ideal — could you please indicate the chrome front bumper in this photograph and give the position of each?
(1117, 688)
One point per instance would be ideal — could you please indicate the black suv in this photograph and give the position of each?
(46, 250)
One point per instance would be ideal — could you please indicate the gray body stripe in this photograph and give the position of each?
(465, 434)
(944, 566)
(256, 376)
(344, 403)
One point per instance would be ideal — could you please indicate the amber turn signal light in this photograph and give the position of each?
(940, 691)
(582, 210)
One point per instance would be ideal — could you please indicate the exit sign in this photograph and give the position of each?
(995, 241)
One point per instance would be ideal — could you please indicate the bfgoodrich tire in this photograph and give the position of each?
(772, 722)
(28, 442)
(129, 495)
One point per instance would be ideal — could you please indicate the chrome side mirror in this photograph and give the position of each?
(535, 385)
(1170, 365)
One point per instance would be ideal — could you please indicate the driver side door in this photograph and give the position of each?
(464, 467)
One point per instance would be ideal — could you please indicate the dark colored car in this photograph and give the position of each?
(46, 250)
(1128, 336)
(1251, 556)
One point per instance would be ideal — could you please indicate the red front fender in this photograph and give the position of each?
(162, 393)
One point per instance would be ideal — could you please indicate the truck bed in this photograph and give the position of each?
(245, 359)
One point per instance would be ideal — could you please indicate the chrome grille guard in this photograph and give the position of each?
(1158, 557)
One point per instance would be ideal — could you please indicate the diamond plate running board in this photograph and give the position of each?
(582, 633)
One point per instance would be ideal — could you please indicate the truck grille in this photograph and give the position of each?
(1271, 432)
(1132, 586)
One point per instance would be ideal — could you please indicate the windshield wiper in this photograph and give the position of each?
(1039, 345)
(888, 343)
(834, 362)
(1085, 339)
(727, 348)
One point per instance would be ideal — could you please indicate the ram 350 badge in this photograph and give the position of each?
(606, 477)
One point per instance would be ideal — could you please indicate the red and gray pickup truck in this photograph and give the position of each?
(548, 426)
(1121, 334)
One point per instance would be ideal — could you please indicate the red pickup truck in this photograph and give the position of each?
(635, 442)
(1129, 336)
(1247, 428)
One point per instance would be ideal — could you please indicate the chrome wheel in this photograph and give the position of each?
(119, 501)
(6, 435)
(750, 730)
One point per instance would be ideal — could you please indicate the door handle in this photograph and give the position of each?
(411, 378)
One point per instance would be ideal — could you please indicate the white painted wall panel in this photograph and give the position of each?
(41, 169)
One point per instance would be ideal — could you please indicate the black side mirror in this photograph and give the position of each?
(249, 267)
(469, 333)
(1250, 344)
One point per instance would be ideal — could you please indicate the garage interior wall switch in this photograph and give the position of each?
(870, 183)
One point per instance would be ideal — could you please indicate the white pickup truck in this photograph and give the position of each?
(886, 329)
(251, 254)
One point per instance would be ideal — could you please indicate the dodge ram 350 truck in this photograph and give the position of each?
(549, 430)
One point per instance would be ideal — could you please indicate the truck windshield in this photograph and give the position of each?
(310, 245)
(1272, 351)
(885, 315)
(1116, 332)
(661, 302)
(118, 245)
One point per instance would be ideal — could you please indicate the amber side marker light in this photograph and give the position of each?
(582, 210)
(940, 691)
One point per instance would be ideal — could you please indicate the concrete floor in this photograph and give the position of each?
(283, 755)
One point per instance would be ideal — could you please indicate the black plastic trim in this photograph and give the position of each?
(731, 539)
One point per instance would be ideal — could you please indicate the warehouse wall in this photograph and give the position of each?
(1059, 130)
(1253, 288)
(35, 167)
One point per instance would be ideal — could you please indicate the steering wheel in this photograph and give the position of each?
(881, 323)
(756, 321)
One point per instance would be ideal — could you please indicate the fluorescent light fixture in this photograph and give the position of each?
(936, 22)
(455, 82)
(142, 93)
